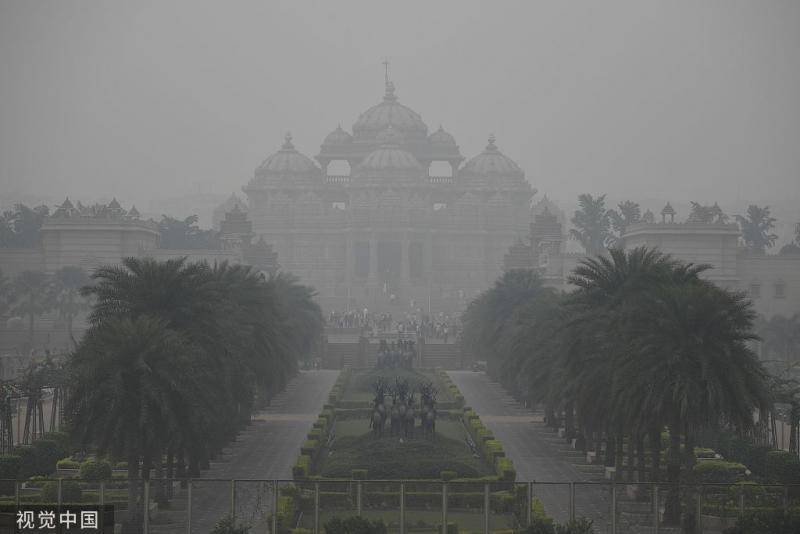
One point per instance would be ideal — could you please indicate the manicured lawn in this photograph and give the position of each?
(388, 458)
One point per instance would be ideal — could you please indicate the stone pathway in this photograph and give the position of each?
(265, 450)
(538, 454)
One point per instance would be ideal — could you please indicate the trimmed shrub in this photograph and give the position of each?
(27, 461)
(309, 448)
(359, 474)
(95, 470)
(302, 468)
(70, 492)
(576, 526)
(719, 471)
(68, 463)
(62, 440)
(354, 525)
(47, 453)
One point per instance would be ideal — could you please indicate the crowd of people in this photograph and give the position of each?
(440, 326)
(396, 355)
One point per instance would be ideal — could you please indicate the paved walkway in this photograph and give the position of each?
(265, 450)
(538, 455)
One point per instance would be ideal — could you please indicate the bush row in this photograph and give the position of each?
(452, 389)
(320, 430)
(491, 448)
(39, 458)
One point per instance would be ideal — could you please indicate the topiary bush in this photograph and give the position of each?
(95, 470)
(718, 471)
(68, 463)
(576, 526)
(27, 461)
(47, 454)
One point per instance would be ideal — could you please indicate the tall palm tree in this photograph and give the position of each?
(693, 359)
(756, 226)
(592, 223)
(32, 292)
(629, 213)
(133, 381)
(69, 303)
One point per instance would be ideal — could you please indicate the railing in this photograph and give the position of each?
(441, 179)
(337, 179)
(195, 505)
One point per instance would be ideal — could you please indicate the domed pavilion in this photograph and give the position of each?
(407, 225)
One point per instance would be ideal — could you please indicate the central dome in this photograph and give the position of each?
(389, 113)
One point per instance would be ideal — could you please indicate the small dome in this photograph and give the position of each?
(389, 112)
(441, 137)
(492, 162)
(287, 161)
(338, 137)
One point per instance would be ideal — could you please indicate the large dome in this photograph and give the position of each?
(389, 113)
(287, 162)
(492, 162)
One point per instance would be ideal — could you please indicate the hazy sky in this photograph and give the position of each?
(677, 100)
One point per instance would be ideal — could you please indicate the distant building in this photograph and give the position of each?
(771, 281)
(388, 215)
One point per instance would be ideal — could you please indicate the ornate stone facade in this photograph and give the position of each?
(392, 233)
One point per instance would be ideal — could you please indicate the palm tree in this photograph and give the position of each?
(755, 227)
(68, 282)
(592, 223)
(781, 338)
(32, 292)
(629, 213)
(692, 357)
(133, 381)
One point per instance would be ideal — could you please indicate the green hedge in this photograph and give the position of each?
(95, 470)
(719, 471)
(70, 492)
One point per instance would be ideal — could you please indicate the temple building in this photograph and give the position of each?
(390, 217)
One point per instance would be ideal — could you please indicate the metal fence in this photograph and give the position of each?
(195, 505)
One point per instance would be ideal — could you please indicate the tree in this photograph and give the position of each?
(781, 339)
(794, 246)
(32, 292)
(592, 223)
(186, 234)
(755, 227)
(132, 381)
(68, 301)
(629, 213)
(19, 228)
(692, 354)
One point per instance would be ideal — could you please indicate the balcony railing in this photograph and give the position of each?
(337, 179)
